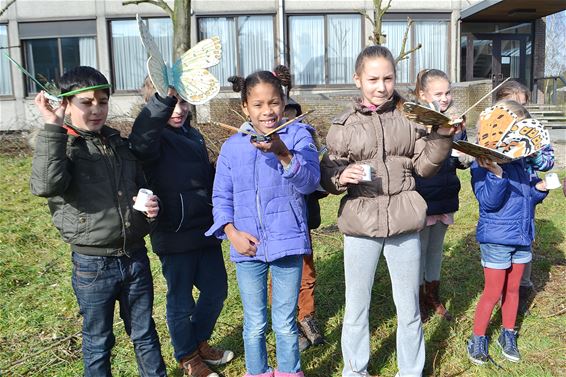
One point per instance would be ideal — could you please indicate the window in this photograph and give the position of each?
(323, 48)
(434, 53)
(247, 44)
(5, 75)
(129, 55)
(51, 48)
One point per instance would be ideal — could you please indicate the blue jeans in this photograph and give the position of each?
(500, 257)
(98, 283)
(190, 323)
(286, 281)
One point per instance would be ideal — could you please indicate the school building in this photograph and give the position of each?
(477, 42)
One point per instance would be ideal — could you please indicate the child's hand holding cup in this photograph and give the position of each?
(367, 172)
(551, 181)
(146, 202)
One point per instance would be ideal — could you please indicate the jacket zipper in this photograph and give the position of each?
(182, 213)
(258, 205)
(114, 186)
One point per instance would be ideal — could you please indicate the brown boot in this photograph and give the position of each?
(423, 307)
(214, 356)
(433, 299)
(193, 366)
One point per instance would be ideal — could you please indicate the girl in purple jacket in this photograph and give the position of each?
(259, 205)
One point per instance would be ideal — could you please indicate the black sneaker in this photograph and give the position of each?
(478, 349)
(507, 341)
(304, 343)
(311, 331)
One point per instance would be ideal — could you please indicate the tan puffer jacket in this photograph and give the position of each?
(396, 149)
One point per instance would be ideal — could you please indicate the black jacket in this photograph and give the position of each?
(178, 170)
(90, 179)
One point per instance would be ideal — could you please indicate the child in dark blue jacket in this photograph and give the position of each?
(507, 197)
(259, 205)
(441, 195)
(177, 168)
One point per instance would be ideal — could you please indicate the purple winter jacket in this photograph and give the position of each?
(254, 192)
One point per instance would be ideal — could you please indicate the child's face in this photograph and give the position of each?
(437, 90)
(376, 80)
(180, 113)
(88, 110)
(264, 106)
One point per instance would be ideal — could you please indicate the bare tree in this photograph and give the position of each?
(5, 8)
(378, 38)
(180, 16)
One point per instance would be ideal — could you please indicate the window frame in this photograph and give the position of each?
(236, 16)
(111, 54)
(422, 17)
(12, 95)
(288, 47)
(24, 46)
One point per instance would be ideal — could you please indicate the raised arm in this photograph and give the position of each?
(148, 127)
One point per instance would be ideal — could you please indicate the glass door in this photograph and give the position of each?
(496, 57)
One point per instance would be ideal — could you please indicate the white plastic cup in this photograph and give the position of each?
(551, 180)
(367, 172)
(142, 198)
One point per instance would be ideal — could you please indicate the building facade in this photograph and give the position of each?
(319, 40)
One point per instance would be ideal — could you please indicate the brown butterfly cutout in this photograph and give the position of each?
(427, 116)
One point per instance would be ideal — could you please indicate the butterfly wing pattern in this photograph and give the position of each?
(523, 138)
(156, 67)
(494, 121)
(424, 115)
(198, 84)
(503, 139)
(188, 75)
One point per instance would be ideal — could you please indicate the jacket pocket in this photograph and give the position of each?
(89, 167)
(282, 221)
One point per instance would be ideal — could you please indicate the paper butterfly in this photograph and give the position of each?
(503, 139)
(188, 75)
(479, 151)
(427, 116)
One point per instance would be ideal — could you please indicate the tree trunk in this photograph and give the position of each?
(181, 27)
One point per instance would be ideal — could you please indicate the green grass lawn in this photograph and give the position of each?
(40, 324)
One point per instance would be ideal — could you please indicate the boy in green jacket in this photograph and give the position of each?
(90, 177)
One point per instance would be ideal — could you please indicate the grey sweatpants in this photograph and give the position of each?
(432, 247)
(361, 255)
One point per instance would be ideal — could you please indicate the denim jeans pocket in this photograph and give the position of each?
(86, 269)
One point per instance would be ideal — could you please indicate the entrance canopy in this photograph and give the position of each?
(511, 10)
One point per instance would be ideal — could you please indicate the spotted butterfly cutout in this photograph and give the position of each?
(503, 139)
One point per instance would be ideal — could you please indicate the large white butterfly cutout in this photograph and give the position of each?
(188, 75)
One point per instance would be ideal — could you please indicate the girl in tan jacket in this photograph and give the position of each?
(382, 212)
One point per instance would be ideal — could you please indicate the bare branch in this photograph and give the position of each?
(160, 3)
(402, 53)
(405, 55)
(10, 2)
(364, 13)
